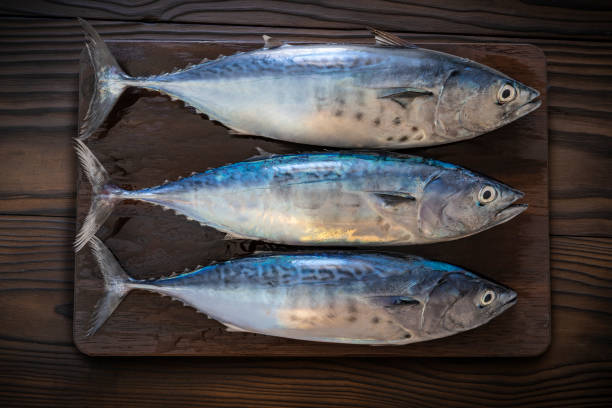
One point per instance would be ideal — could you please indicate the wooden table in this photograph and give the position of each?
(39, 364)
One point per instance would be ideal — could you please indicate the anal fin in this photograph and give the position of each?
(230, 235)
(231, 328)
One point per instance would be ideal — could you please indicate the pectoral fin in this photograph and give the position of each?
(394, 198)
(386, 39)
(402, 92)
(394, 301)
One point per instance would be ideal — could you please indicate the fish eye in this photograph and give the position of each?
(487, 298)
(506, 93)
(487, 194)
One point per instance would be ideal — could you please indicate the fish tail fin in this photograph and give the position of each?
(110, 81)
(105, 195)
(116, 285)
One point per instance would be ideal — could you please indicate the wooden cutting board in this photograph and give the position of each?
(148, 138)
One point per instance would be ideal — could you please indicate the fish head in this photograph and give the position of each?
(476, 99)
(462, 301)
(456, 203)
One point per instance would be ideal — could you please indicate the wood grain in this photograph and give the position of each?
(39, 74)
(526, 18)
(41, 367)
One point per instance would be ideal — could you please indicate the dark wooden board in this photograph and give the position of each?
(149, 139)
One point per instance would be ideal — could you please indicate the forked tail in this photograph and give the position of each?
(116, 285)
(104, 195)
(110, 81)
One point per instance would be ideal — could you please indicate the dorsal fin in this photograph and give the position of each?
(270, 42)
(389, 40)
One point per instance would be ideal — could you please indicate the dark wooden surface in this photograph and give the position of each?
(149, 138)
(40, 365)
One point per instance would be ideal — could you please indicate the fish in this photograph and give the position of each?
(391, 95)
(329, 198)
(339, 297)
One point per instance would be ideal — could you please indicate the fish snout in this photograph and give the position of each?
(507, 299)
(510, 210)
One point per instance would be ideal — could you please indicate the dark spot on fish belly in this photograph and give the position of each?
(351, 319)
(375, 320)
(376, 121)
(360, 98)
(358, 115)
(397, 121)
(390, 138)
(338, 113)
(414, 128)
(407, 335)
(403, 138)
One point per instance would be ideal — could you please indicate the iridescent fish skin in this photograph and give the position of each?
(341, 297)
(339, 95)
(335, 198)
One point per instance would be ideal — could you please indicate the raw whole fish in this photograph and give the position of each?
(389, 95)
(332, 198)
(341, 297)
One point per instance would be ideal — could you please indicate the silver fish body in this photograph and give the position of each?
(341, 297)
(335, 198)
(333, 94)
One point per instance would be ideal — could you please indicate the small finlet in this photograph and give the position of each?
(386, 39)
(229, 237)
(262, 152)
(270, 42)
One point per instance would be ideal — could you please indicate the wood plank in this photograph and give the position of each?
(526, 19)
(48, 51)
(155, 243)
(41, 366)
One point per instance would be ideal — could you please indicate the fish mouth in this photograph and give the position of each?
(509, 212)
(510, 302)
(532, 104)
(512, 210)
